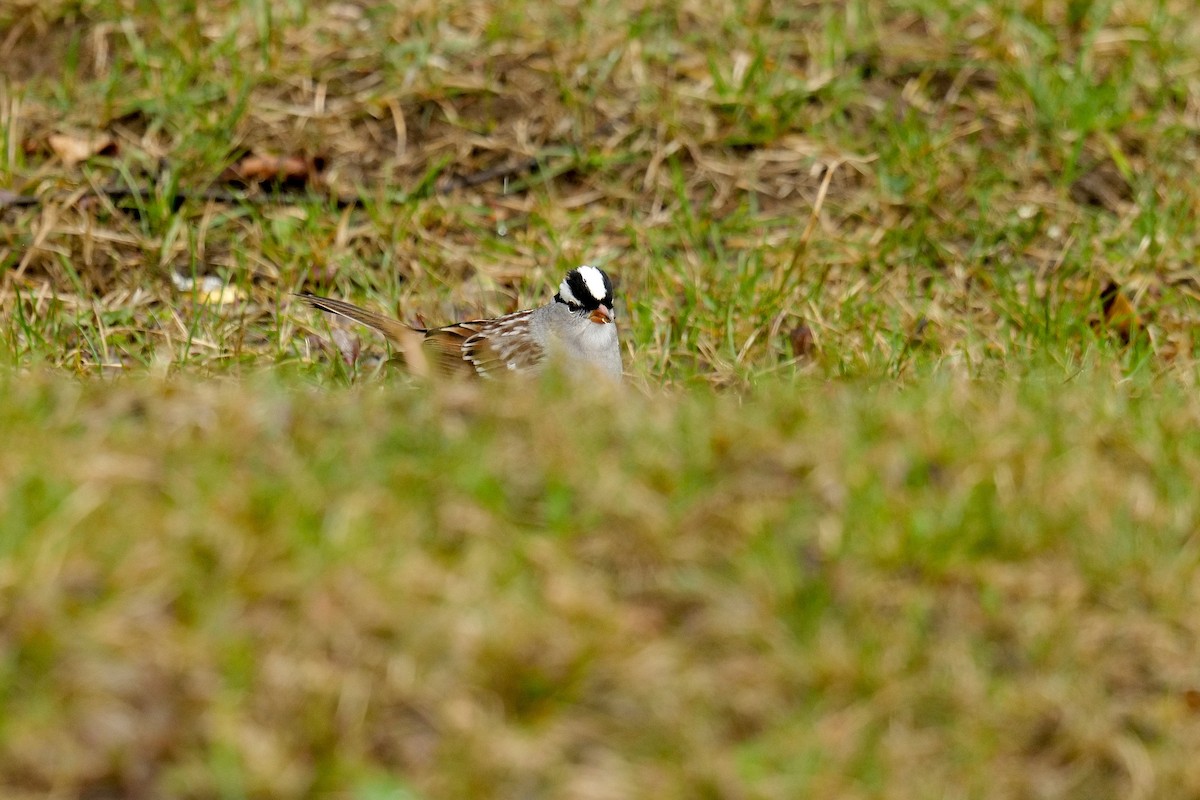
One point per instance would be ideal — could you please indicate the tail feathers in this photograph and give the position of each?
(408, 340)
(393, 330)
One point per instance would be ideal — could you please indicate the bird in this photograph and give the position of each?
(577, 329)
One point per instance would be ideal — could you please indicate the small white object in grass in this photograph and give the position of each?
(209, 289)
(348, 345)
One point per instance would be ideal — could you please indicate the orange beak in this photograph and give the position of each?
(602, 315)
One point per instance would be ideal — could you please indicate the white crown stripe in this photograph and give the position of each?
(593, 279)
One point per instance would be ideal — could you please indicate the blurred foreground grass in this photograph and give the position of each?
(252, 589)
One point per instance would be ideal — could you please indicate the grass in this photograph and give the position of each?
(248, 588)
(888, 509)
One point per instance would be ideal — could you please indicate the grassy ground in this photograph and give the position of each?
(892, 508)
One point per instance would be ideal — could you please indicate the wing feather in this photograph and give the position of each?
(491, 347)
(484, 347)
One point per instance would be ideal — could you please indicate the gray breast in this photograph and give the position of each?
(577, 341)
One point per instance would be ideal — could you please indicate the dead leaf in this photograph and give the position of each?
(1102, 185)
(286, 170)
(1119, 314)
(917, 337)
(73, 148)
(803, 343)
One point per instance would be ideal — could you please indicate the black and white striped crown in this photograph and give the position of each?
(586, 289)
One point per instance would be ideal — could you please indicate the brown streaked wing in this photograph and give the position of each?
(446, 347)
(492, 347)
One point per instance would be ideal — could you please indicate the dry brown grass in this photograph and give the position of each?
(980, 169)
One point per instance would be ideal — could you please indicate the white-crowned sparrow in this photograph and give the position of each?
(577, 330)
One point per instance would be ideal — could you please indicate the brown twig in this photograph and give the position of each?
(802, 245)
(447, 186)
(9, 200)
(12, 200)
(457, 182)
